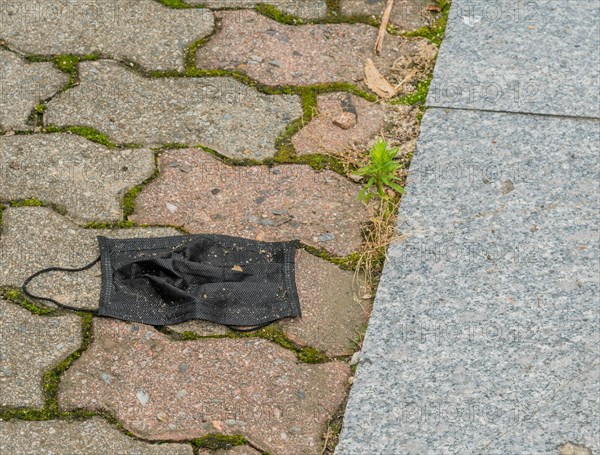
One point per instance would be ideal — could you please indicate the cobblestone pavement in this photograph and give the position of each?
(147, 118)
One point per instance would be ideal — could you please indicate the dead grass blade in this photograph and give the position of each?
(385, 19)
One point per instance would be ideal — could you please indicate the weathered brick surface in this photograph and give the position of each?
(398, 124)
(142, 31)
(22, 86)
(277, 54)
(29, 346)
(163, 389)
(88, 437)
(324, 135)
(220, 113)
(86, 179)
(200, 193)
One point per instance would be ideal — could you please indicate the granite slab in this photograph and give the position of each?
(527, 56)
(485, 331)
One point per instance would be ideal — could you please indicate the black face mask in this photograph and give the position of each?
(169, 280)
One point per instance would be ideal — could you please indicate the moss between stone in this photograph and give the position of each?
(419, 96)
(216, 441)
(278, 15)
(176, 4)
(435, 32)
(272, 333)
(16, 296)
(348, 262)
(51, 379)
(128, 202)
(32, 202)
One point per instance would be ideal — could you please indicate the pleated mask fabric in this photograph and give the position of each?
(168, 280)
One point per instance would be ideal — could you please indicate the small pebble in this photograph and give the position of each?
(328, 237)
(142, 397)
(276, 63)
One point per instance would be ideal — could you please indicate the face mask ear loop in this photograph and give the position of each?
(250, 329)
(57, 269)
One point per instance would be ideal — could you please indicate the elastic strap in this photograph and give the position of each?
(57, 269)
(251, 329)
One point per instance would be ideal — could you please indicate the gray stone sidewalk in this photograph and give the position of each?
(485, 331)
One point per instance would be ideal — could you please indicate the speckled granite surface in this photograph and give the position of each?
(521, 56)
(484, 338)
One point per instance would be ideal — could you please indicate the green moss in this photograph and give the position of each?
(51, 381)
(52, 378)
(334, 7)
(434, 32)
(311, 355)
(176, 4)
(40, 108)
(123, 224)
(278, 15)
(16, 296)
(418, 96)
(348, 262)
(32, 202)
(91, 135)
(276, 335)
(188, 336)
(128, 203)
(66, 63)
(216, 441)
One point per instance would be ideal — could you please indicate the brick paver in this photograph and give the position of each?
(178, 390)
(29, 346)
(141, 31)
(220, 113)
(22, 86)
(200, 193)
(86, 179)
(276, 54)
(64, 437)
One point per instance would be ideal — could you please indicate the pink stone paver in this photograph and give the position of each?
(277, 54)
(322, 135)
(162, 389)
(200, 193)
(398, 124)
(332, 308)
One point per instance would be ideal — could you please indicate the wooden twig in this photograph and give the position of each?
(383, 27)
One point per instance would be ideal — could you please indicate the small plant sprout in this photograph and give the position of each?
(380, 171)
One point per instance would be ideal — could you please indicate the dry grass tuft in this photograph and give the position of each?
(378, 234)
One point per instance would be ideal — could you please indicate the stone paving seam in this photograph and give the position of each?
(523, 114)
(25, 85)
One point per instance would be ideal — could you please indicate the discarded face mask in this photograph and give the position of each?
(169, 280)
